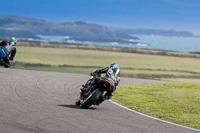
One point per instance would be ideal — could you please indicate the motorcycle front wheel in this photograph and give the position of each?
(92, 98)
(78, 102)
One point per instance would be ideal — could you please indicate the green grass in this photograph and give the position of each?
(82, 57)
(58, 69)
(58, 56)
(156, 72)
(89, 70)
(175, 102)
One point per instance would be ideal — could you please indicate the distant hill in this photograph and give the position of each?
(23, 27)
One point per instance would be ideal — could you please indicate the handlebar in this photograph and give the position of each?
(95, 75)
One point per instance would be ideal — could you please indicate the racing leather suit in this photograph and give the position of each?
(112, 76)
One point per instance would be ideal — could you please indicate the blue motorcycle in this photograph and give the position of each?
(2, 57)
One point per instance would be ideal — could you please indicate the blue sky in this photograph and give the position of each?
(159, 14)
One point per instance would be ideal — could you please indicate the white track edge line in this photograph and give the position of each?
(152, 116)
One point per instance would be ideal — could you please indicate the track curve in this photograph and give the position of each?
(35, 101)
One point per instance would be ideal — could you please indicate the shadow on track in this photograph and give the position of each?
(75, 107)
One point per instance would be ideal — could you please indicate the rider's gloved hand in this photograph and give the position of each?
(97, 71)
(93, 73)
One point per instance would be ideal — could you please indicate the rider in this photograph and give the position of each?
(112, 75)
(7, 51)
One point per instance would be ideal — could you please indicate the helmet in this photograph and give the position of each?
(13, 39)
(114, 66)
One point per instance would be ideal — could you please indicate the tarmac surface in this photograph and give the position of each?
(44, 102)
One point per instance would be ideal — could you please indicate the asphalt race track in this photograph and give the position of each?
(44, 102)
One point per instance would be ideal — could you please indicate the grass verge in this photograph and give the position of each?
(175, 102)
(57, 69)
(132, 64)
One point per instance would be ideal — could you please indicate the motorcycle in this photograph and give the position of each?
(2, 62)
(93, 93)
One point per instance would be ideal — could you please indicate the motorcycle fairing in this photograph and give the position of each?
(105, 83)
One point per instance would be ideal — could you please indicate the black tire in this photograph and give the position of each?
(92, 98)
(78, 102)
(6, 66)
